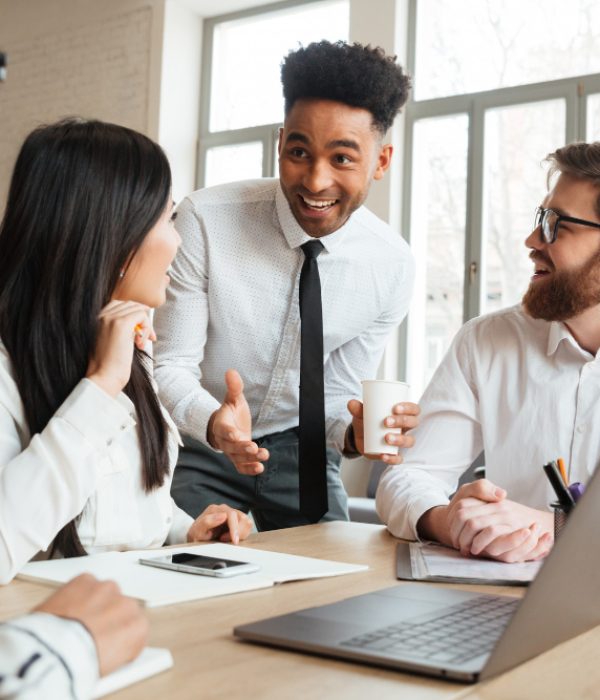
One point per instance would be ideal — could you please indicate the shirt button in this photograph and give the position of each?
(124, 426)
(581, 428)
(168, 519)
(109, 441)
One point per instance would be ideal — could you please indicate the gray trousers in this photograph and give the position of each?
(203, 477)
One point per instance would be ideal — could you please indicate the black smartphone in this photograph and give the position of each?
(203, 565)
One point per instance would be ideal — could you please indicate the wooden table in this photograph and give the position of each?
(210, 663)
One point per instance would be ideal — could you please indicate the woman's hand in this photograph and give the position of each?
(118, 625)
(123, 326)
(220, 523)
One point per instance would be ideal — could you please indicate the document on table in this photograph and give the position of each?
(150, 662)
(433, 562)
(155, 587)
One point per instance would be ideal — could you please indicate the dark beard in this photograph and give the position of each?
(565, 294)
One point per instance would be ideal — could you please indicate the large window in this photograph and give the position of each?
(498, 84)
(242, 104)
(476, 45)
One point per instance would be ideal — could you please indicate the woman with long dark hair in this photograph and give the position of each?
(86, 450)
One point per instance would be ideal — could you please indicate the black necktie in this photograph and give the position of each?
(312, 455)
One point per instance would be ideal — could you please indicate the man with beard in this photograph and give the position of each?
(295, 284)
(522, 384)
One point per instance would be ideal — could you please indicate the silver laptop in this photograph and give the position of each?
(426, 629)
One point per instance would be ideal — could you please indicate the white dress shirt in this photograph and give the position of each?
(233, 303)
(44, 656)
(521, 389)
(87, 459)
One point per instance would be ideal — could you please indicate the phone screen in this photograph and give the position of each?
(201, 562)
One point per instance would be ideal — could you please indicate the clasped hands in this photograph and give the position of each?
(481, 521)
(230, 429)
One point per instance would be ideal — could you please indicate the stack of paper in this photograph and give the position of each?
(433, 562)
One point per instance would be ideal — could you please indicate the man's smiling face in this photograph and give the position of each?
(328, 154)
(566, 280)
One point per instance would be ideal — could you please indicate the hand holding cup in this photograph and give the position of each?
(381, 421)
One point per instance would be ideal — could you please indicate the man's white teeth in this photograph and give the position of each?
(319, 203)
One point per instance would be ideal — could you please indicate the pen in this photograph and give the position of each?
(564, 496)
(562, 470)
(576, 490)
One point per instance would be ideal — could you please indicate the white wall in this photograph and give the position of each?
(180, 93)
(77, 57)
(386, 28)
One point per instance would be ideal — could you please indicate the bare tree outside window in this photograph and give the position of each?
(476, 45)
(467, 47)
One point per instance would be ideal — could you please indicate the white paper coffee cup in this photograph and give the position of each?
(379, 397)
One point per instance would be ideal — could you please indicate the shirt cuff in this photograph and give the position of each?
(193, 419)
(419, 507)
(72, 644)
(349, 439)
(180, 526)
(93, 413)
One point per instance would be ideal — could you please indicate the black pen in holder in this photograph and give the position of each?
(560, 518)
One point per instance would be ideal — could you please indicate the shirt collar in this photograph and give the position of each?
(295, 234)
(558, 332)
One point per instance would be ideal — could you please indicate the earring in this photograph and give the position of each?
(121, 274)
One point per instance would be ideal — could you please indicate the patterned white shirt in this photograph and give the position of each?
(233, 303)
(44, 656)
(519, 388)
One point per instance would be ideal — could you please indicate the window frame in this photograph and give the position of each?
(267, 134)
(574, 91)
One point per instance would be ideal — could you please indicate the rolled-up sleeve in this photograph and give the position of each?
(447, 441)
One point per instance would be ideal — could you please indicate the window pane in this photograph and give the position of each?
(438, 242)
(229, 163)
(475, 45)
(517, 139)
(247, 54)
(593, 118)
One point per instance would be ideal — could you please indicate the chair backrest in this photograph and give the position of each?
(376, 471)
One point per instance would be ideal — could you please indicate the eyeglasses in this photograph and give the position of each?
(548, 221)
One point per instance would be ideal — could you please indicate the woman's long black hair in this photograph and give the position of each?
(82, 198)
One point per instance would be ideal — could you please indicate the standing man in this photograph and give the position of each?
(297, 286)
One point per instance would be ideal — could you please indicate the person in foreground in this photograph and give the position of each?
(523, 384)
(85, 630)
(298, 286)
(86, 451)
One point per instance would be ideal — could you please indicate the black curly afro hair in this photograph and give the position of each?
(357, 75)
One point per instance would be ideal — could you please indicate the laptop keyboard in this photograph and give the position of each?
(455, 634)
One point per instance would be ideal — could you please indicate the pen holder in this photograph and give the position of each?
(560, 518)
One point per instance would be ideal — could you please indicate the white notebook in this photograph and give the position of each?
(155, 587)
(150, 662)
